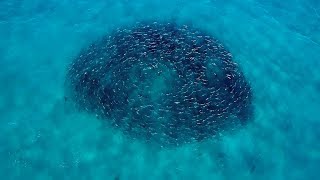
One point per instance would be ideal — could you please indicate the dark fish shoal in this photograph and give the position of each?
(161, 82)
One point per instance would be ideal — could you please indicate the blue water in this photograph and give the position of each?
(277, 44)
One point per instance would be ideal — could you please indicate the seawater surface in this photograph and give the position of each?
(44, 136)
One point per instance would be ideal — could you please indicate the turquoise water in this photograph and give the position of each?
(277, 44)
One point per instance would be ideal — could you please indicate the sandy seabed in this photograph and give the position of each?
(277, 45)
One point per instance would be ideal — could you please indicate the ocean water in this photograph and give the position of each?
(277, 45)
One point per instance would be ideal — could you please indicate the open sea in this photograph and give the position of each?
(43, 136)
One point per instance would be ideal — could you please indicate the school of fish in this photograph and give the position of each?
(162, 83)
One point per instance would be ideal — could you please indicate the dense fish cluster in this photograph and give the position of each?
(161, 82)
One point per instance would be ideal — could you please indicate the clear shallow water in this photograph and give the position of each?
(276, 44)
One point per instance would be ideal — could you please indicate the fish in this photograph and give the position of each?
(170, 83)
